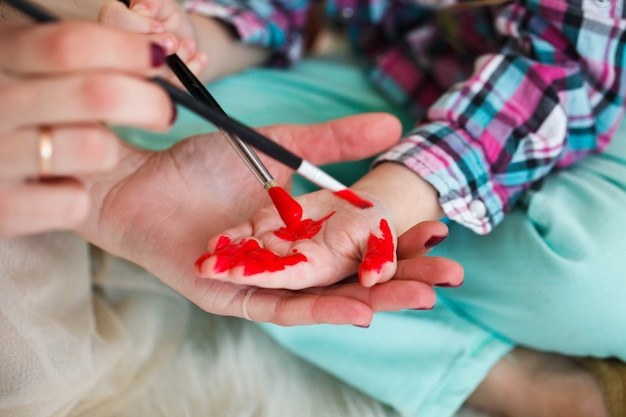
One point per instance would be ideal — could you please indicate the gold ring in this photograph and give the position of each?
(244, 304)
(45, 150)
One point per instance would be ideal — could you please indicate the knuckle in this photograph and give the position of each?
(63, 47)
(76, 210)
(98, 148)
(100, 94)
(107, 13)
(15, 96)
(10, 219)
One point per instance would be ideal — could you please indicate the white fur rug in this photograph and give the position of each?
(231, 368)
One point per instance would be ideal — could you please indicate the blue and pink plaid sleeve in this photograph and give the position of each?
(552, 94)
(501, 95)
(275, 24)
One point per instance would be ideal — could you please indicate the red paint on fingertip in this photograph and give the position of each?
(201, 260)
(380, 250)
(351, 197)
(250, 255)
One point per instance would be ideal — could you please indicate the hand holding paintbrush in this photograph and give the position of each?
(290, 211)
(237, 133)
(196, 88)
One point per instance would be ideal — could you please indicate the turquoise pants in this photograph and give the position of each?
(552, 276)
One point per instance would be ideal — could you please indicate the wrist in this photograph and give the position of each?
(410, 198)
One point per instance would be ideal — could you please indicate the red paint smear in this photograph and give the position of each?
(250, 255)
(350, 196)
(379, 250)
(288, 208)
(306, 229)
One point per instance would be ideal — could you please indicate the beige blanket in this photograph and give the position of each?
(84, 334)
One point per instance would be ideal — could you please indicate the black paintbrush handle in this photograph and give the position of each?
(197, 90)
(202, 109)
(189, 80)
(35, 12)
(221, 120)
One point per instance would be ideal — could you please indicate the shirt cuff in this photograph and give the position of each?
(466, 193)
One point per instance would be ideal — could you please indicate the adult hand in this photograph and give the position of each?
(159, 209)
(58, 84)
(349, 302)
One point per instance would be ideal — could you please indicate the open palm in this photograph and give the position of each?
(318, 259)
(158, 209)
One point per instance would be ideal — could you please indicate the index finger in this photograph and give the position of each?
(76, 46)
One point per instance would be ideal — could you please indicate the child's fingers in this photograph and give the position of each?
(155, 9)
(198, 63)
(115, 14)
(187, 49)
(378, 262)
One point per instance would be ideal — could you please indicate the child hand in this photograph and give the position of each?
(165, 21)
(332, 240)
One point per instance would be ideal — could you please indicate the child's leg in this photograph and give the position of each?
(551, 276)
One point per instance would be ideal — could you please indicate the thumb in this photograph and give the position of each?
(115, 14)
(346, 139)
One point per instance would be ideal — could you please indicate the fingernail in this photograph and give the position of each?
(362, 326)
(190, 46)
(168, 44)
(434, 241)
(141, 9)
(174, 114)
(427, 308)
(157, 55)
(447, 285)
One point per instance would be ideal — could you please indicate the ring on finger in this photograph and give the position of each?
(244, 304)
(45, 150)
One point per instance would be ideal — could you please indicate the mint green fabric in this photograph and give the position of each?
(551, 276)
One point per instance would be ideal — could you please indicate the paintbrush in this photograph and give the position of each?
(197, 90)
(221, 120)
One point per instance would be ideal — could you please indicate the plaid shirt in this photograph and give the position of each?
(501, 95)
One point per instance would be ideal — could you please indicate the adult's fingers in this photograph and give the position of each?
(107, 97)
(421, 238)
(21, 210)
(393, 295)
(74, 46)
(289, 308)
(430, 270)
(75, 150)
(346, 303)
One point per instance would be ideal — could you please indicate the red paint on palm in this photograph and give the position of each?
(380, 250)
(351, 197)
(250, 255)
(306, 229)
(288, 208)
